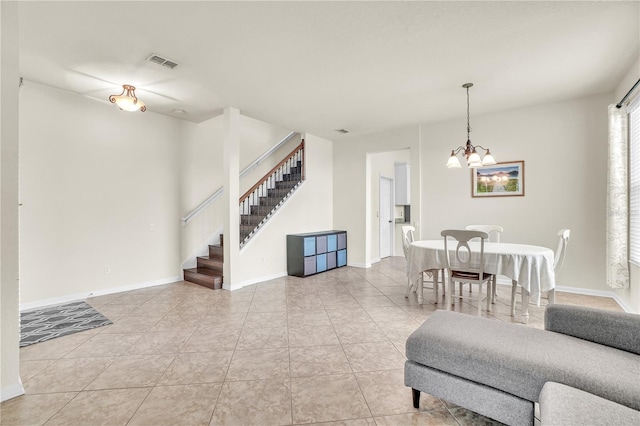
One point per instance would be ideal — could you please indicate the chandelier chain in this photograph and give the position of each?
(468, 125)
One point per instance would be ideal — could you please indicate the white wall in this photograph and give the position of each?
(564, 146)
(630, 297)
(10, 385)
(352, 192)
(99, 187)
(201, 156)
(200, 162)
(309, 209)
(256, 138)
(200, 176)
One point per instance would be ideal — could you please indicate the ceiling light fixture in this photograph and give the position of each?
(471, 155)
(127, 100)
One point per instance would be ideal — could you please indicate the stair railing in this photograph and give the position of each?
(288, 173)
(188, 218)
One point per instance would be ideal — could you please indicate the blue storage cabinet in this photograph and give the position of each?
(316, 252)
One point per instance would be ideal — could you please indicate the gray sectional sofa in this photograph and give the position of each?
(585, 359)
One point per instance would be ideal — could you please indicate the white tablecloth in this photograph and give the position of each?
(530, 266)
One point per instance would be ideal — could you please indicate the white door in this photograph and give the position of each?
(386, 217)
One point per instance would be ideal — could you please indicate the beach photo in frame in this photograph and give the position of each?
(500, 180)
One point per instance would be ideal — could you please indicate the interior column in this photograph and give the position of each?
(230, 155)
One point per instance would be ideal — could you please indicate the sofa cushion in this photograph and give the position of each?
(618, 330)
(564, 405)
(520, 360)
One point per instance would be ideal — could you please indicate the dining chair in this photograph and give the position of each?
(558, 261)
(468, 266)
(494, 232)
(407, 239)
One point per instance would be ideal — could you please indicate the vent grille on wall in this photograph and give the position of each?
(157, 59)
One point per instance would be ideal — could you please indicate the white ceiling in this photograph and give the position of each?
(320, 66)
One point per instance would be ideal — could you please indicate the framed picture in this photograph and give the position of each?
(500, 180)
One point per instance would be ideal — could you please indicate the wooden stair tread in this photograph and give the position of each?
(204, 271)
(211, 263)
(209, 258)
(203, 277)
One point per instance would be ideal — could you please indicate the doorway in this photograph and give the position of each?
(386, 217)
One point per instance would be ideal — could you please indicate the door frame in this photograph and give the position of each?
(390, 206)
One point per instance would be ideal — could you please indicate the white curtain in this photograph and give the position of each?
(617, 199)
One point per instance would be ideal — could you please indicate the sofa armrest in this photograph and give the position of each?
(618, 330)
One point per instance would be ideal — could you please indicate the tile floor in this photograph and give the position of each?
(325, 349)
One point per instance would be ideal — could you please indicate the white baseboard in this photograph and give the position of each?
(12, 391)
(359, 265)
(599, 293)
(585, 291)
(252, 281)
(81, 296)
(622, 304)
(575, 290)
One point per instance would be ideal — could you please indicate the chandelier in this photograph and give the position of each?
(470, 151)
(127, 100)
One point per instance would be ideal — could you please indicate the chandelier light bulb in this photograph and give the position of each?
(474, 158)
(488, 159)
(453, 162)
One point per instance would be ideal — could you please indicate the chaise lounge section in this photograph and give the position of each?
(564, 405)
(499, 370)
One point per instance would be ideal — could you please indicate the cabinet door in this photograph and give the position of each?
(342, 258)
(331, 260)
(309, 265)
(321, 244)
(342, 241)
(332, 242)
(309, 246)
(321, 262)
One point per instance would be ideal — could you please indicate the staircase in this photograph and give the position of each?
(208, 272)
(268, 203)
(257, 206)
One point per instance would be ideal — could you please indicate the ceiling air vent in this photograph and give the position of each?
(157, 59)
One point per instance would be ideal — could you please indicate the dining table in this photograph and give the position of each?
(529, 267)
